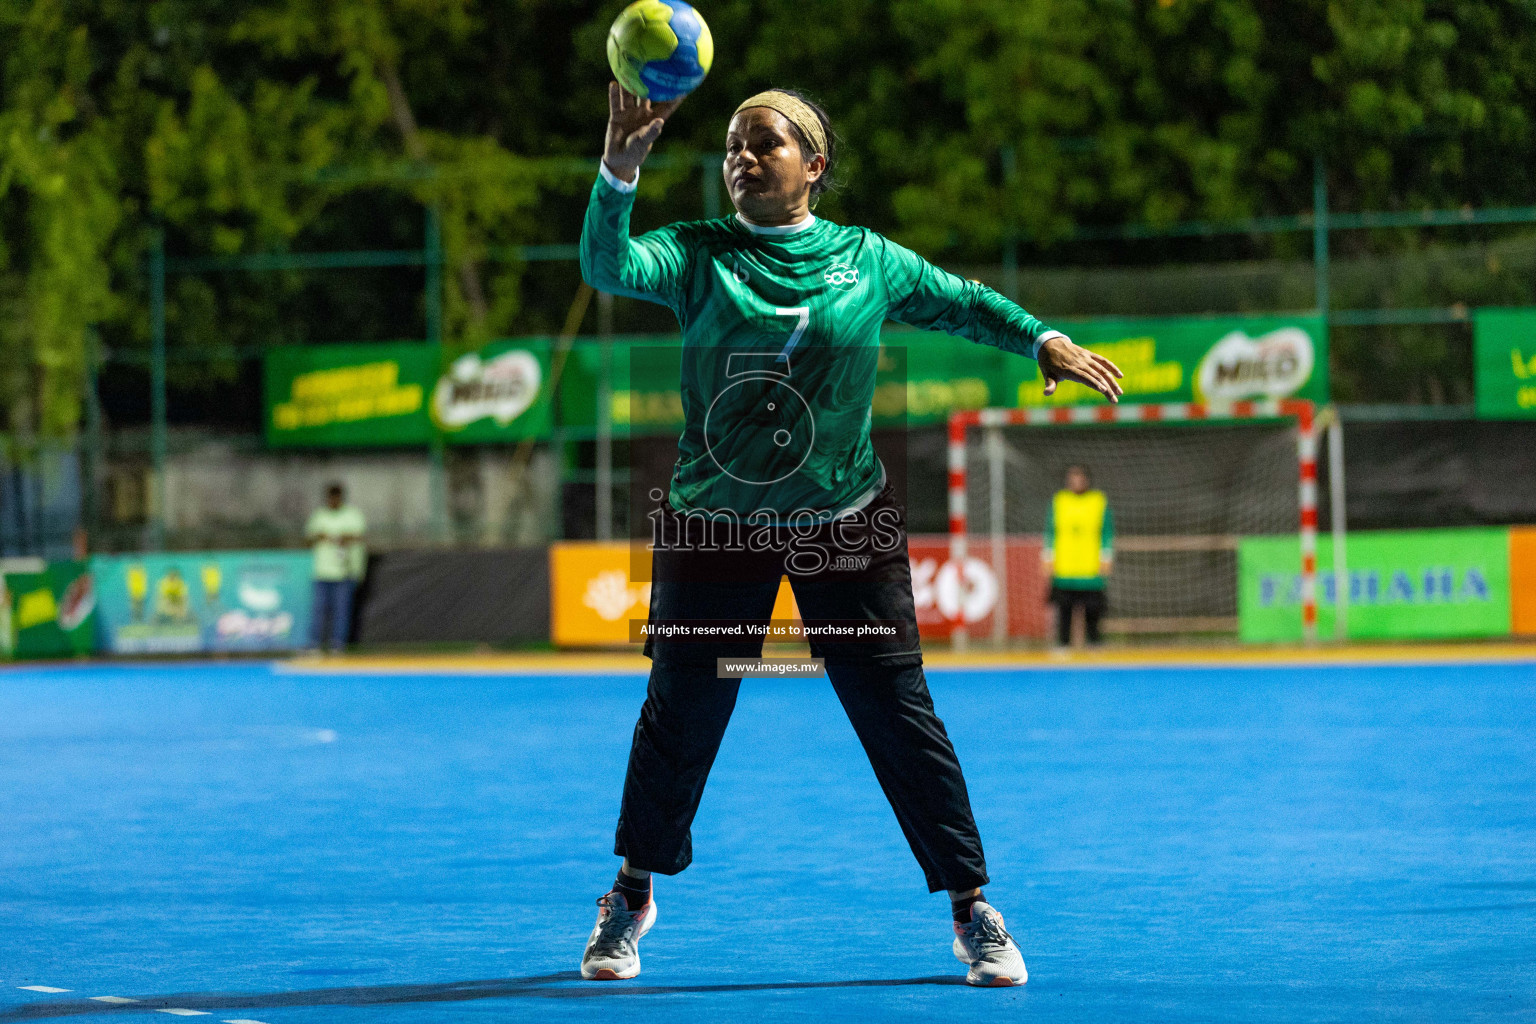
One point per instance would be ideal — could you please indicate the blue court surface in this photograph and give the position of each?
(1328, 843)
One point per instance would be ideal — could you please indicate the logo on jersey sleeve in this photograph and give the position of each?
(842, 275)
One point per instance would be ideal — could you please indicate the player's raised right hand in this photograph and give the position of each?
(634, 125)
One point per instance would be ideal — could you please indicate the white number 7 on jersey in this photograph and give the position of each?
(804, 315)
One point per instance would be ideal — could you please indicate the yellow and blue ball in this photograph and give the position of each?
(660, 49)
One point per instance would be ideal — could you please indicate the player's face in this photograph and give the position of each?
(1077, 481)
(767, 175)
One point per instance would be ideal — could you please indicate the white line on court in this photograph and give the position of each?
(177, 1010)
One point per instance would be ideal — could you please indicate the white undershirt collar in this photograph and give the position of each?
(784, 229)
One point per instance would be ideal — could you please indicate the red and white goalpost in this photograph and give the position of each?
(1253, 412)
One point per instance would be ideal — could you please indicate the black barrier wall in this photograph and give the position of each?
(498, 597)
(1448, 473)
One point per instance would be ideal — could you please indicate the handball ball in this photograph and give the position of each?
(660, 49)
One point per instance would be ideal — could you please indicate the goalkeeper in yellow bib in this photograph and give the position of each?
(1079, 554)
(781, 313)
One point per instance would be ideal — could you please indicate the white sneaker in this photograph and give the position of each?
(613, 948)
(985, 946)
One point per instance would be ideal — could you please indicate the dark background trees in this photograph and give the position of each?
(240, 126)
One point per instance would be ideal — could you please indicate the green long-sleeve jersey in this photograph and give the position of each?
(781, 337)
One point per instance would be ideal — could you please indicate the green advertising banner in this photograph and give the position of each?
(920, 379)
(1504, 341)
(1165, 360)
(643, 377)
(337, 395)
(1403, 584)
(401, 394)
(937, 374)
(1195, 359)
(499, 393)
(48, 614)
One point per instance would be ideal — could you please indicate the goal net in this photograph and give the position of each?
(1185, 483)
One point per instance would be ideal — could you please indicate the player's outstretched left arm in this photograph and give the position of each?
(923, 295)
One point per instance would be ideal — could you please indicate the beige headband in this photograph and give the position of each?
(797, 110)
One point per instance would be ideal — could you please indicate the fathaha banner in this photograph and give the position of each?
(1403, 584)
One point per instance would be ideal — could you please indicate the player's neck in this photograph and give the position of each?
(793, 223)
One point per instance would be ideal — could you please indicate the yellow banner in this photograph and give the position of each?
(592, 599)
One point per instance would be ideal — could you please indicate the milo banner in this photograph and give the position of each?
(643, 376)
(324, 395)
(1195, 359)
(919, 379)
(49, 613)
(203, 601)
(924, 376)
(1504, 341)
(405, 393)
(1403, 584)
(500, 393)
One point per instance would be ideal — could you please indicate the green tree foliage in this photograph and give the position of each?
(481, 190)
(58, 215)
(252, 125)
(1135, 110)
(218, 121)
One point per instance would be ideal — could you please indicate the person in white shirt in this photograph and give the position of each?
(335, 531)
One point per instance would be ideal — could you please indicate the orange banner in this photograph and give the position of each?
(592, 598)
(1522, 580)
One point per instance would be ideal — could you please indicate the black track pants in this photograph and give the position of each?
(1092, 603)
(880, 684)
